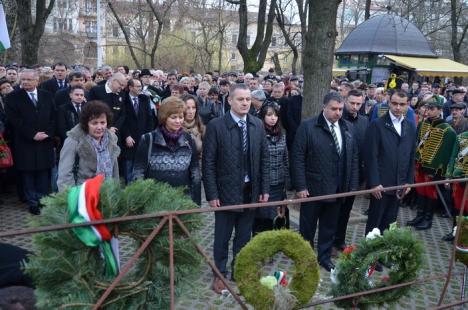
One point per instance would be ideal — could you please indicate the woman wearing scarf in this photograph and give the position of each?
(192, 122)
(90, 148)
(168, 153)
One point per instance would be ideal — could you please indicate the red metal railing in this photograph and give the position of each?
(168, 218)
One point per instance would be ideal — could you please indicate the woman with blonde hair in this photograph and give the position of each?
(168, 153)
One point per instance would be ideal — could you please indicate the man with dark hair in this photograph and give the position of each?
(138, 121)
(62, 96)
(32, 114)
(345, 87)
(389, 161)
(324, 161)
(170, 80)
(12, 75)
(458, 122)
(224, 86)
(236, 171)
(58, 81)
(353, 104)
(68, 114)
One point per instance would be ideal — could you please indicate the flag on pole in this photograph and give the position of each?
(4, 38)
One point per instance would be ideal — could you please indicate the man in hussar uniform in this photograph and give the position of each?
(435, 139)
(458, 169)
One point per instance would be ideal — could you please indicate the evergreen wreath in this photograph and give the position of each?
(462, 247)
(397, 249)
(70, 275)
(262, 248)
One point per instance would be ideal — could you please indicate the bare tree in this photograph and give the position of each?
(254, 57)
(31, 32)
(367, 9)
(459, 21)
(289, 36)
(318, 53)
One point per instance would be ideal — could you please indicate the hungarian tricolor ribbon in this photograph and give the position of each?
(83, 202)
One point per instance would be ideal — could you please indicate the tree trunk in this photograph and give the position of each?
(277, 63)
(220, 53)
(319, 54)
(367, 10)
(454, 41)
(31, 33)
(294, 62)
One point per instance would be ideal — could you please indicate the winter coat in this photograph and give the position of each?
(79, 155)
(177, 167)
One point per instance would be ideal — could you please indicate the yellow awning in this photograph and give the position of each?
(339, 71)
(442, 67)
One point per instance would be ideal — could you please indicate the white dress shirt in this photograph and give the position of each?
(337, 132)
(396, 122)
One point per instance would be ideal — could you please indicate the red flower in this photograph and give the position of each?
(349, 249)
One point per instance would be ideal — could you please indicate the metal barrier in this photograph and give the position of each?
(168, 218)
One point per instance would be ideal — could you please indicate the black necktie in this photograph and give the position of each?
(242, 125)
(135, 104)
(60, 84)
(78, 108)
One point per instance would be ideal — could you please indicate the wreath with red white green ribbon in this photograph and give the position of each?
(401, 256)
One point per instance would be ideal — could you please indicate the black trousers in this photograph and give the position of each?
(382, 212)
(343, 218)
(35, 185)
(326, 214)
(225, 222)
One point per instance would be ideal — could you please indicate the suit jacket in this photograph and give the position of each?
(51, 85)
(315, 160)
(136, 124)
(27, 120)
(389, 157)
(223, 175)
(62, 96)
(291, 115)
(116, 103)
(67, 118)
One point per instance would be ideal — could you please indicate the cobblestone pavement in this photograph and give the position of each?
(14, 215)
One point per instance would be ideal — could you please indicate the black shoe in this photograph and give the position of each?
(327, 265)
(34, 210)
(415, 221)
(448, 237)
(424, 224)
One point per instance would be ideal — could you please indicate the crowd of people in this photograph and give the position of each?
(243, 137)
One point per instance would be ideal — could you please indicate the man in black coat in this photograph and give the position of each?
(68, 114)
(58, 81)
(31, 112)
(62, 96)
(112, 93)
(138, 121)
(324, 161)
(235, 171)
(353, 104)
(291, 115)
(389, 161)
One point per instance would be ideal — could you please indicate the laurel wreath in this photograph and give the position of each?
(261, 249)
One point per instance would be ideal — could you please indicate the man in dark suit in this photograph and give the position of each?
(235, 171)
(389, 161)
(112, 93)
(324, 161)
(68, 114)
(58, 81)
(31, 111)
(138, 121)
(62, 96)
(353, 104)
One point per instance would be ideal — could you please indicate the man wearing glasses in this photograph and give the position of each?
(112, 93)
(435, 140)
(389, 161)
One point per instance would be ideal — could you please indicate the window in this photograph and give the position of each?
(115, 31)
(273, 41)
(233, 56)
(90, 26)
(234, 39)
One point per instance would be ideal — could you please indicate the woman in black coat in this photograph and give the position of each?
(168, 154)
